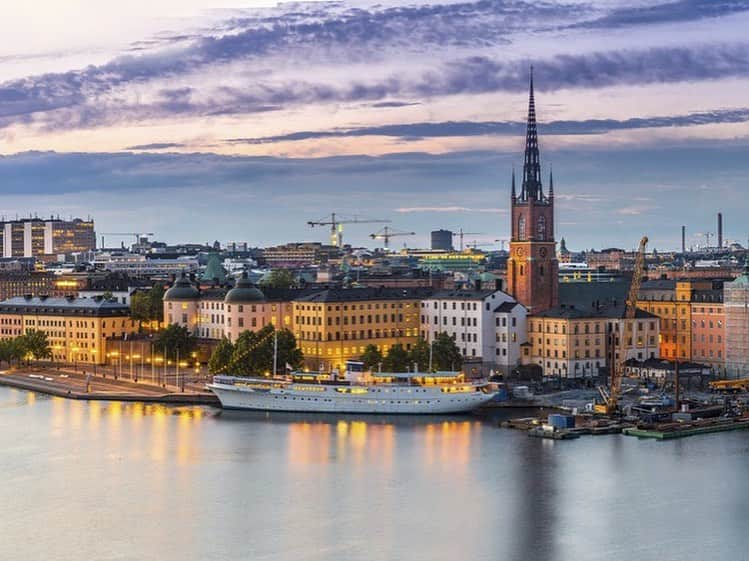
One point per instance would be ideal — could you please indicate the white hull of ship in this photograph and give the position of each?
(400, 400)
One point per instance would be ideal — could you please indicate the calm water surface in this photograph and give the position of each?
(113, 481)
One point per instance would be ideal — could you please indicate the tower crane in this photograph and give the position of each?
(460, 233)
(137, 235)
(611, 397)
(336, 226)
(386, 233)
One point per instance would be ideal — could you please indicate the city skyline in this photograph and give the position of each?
(413, 113)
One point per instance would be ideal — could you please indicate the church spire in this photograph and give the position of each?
(551, 182)
(532, 188)
(514, 195)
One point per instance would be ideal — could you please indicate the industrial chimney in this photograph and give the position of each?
(720, 229)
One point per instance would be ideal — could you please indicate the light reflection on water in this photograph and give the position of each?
(113, 481)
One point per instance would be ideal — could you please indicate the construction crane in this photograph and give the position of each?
(386, 233)
(460, 233)
(611, 398)
(336, 226)
(502, 242)
(476, 244)
(136, 235)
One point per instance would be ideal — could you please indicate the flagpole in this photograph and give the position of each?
(275, 351)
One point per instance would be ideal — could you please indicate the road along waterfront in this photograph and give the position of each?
(121, 481)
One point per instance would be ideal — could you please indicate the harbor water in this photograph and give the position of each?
(128, 481)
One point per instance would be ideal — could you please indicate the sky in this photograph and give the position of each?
(233, 120)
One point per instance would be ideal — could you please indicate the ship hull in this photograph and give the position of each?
(407, 401)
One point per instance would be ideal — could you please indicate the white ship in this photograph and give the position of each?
(356, 392)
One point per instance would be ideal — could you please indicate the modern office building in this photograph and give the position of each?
(35, 237)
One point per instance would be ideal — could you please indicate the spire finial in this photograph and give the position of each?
(551, 181)
(532, 188)
(514, 195)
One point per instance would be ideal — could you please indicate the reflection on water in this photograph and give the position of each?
(146, 481)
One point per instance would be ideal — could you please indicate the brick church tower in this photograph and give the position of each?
(532, 267)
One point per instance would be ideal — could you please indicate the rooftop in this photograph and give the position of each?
(367, 293)
(43, 305)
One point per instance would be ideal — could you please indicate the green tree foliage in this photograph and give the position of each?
(420, 355)
(445, 353)
(280, 278)
(12, 350)
(140, 307)
(396, 359)
(372, 357)
(36, 344)
(156, 296)
(221, 357)
(175, 339)
(253, 352)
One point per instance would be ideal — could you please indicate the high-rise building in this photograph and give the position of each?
(532, 267)
(442, 240)
(35, 237)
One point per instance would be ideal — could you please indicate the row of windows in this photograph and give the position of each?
(316, 351)
(346, 307)
(384, 318)
(353, 335)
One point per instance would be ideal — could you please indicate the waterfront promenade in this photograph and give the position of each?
(71, 384)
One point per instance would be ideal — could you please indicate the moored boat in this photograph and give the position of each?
(355, 392)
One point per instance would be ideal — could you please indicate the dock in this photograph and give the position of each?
(669, 431)
(73, 385)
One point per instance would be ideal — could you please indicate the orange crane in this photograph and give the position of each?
(336, 226)
(611, 397)
(386, 233)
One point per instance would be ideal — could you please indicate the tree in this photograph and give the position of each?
(445, 353)
(221, 357)
(36, 344)
(175, 340)
(420, 355)
(280, 278)
(253, 351)
(140, 308)
(372, 357)
(156, 296)
(396, 359)
(11, 350)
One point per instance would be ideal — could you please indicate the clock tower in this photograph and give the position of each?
(532, 267)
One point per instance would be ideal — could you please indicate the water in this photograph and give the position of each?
(114, 481)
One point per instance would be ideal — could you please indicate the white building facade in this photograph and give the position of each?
(486, 325)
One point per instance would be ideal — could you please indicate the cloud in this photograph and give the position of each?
(510, 128)
(156, 146)
(449, 209)
(668, 12)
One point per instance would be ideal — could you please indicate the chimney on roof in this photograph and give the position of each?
(683, 239)
(720, 229)
(478, 284)
(497, 284)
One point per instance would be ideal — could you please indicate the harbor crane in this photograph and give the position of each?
(136, 235)
(336, 225)
(386, 233)
(611, 397)
(461, 234)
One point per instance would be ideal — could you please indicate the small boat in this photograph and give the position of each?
(356, 391)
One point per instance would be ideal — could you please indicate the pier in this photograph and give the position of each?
(75, 385)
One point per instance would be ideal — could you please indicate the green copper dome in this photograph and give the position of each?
(182, 289)
(214, 271)
(244, 291)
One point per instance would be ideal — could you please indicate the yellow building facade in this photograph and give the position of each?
(77, 328)
(333, 326)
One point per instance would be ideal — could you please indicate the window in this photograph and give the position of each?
(521, 228)
(541, 228)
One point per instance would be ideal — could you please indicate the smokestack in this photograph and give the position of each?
(720, 229)
(683, 239)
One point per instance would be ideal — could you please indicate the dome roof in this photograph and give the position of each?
(182, 289)
(244, 291)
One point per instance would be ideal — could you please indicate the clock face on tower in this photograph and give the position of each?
(519, 251)
(542, 252)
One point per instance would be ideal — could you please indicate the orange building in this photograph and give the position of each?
(709, 329)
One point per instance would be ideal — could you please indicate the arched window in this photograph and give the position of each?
(541, 228)
(521, 227)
